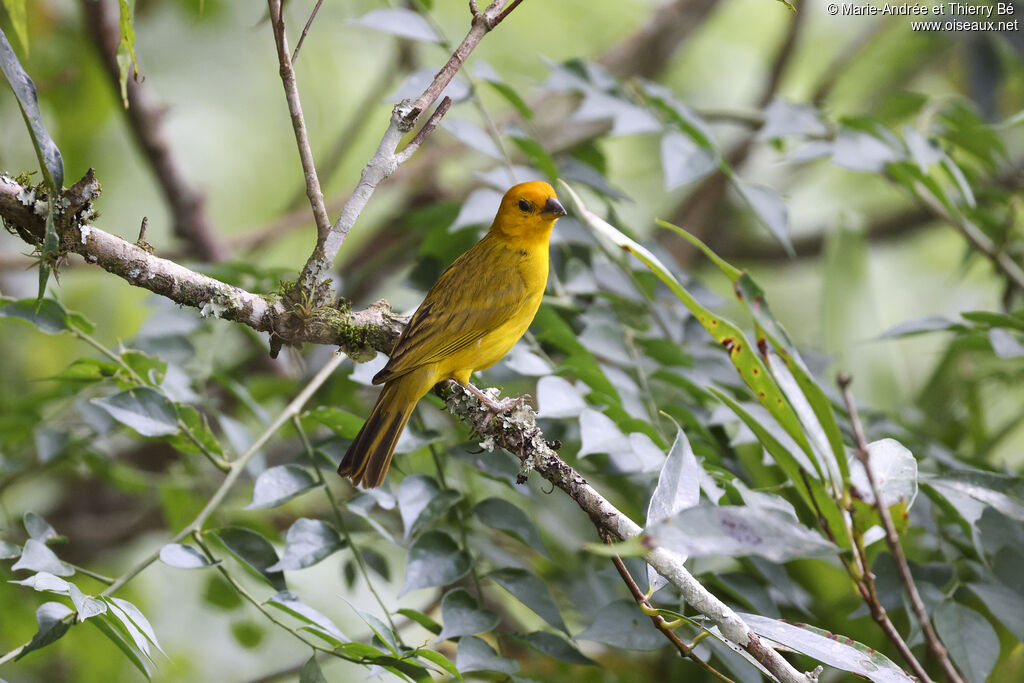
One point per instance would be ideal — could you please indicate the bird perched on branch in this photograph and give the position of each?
(472, 316)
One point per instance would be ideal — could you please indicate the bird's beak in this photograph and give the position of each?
(553, 206)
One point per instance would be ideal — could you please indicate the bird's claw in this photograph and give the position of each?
(495, 407)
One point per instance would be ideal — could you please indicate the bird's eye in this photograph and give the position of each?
(525, 206)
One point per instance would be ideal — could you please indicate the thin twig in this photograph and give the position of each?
(291, 90)
(305, 30)
(892, 539)
(978, 239)
(685, 651)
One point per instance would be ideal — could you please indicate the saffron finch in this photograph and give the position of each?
(472, 316)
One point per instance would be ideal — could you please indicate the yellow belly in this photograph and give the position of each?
(491, 348)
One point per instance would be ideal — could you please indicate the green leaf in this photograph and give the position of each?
(379, 628)
(106, 625)
(132, 614)
(474, 654)
(556, 647)
(421, 501)
(38, 528)
(530, 591)
(462, 617)
(19, 21)
(341, 422)
(85, 605)
(440, 660)
(537, 155)
(46, 582)
(254, 551)
(678, 485)
(52, 624)
(684, 161)
(277, 485)
(199, 426)
(86, 370)
(741, 352)
(737, 531)
(931, 323)
(183, 557)
(50, 162)
(145, 410)
(400, 22)
(1005, 604)
(795, 466)
(126, 47)
(434, 560)
(1001, 492)
(48, 317)
(972, 642)
(621, 624)
(895, 472)
(290, 603)
(498, 513)
(422, 619)
(308, 541)
(831, 649)
(37, 557)
(311, 673)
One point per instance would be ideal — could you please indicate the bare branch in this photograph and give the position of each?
(305, 30)
(145, 120)
(313, 191)
(892, 539)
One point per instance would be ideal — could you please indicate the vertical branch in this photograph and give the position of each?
(145, 121)
(935, 646)
(291, 90)
(387, 159)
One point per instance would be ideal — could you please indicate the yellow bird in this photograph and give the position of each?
(472, 316)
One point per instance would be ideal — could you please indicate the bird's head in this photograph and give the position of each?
(528, 211)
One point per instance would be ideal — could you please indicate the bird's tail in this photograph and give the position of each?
(368, 458)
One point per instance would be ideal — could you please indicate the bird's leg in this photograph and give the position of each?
(494, 407)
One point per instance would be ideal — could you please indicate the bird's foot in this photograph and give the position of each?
(495, 407)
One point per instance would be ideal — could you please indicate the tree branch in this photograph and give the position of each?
(291, 90)
(356, 332)
(892, 539)
(387, 159)
(305, 31)
(145, 120)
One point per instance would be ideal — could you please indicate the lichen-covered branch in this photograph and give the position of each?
(518, 433)
(284, 314)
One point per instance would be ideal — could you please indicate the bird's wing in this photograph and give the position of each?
(470, 299)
